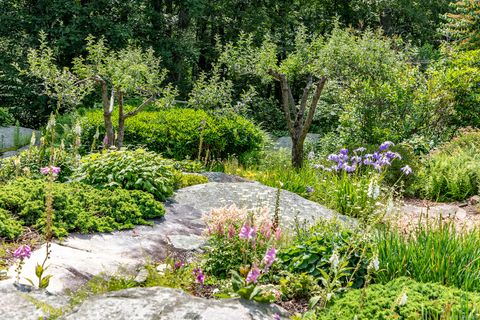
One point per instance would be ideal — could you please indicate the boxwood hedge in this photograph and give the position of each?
(182, 133)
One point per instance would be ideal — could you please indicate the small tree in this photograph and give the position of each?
(130, 72)
(463, 24)
(301, 65)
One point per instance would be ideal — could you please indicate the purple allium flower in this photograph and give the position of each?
(309, 189)
(270, 257)
(344, 152)
(247, 232)
(200, 277)
(47, 170)
(22, 252)
(361, 149)
(406, 170)
(253, 275)
(384, 146)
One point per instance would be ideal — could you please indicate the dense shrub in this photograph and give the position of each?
(431, 253)
(77, 207)
(452, 172)
(312, 248)
(28, 163)
(131, 170)
(183, 133)
(6, 118)
(421, 301)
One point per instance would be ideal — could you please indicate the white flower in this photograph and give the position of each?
(33, 139)
(334, 260)
(216, 290)
(78, 129)
(403, 299)
(161, 268)
(373, 190)
(375, 263)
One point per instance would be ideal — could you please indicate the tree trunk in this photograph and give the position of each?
(121, 122)
(297, 152)
(107, 115)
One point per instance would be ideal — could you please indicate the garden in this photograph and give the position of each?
(225, 160)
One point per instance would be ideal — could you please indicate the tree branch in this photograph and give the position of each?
(320, 84)
(286, 97)
(140, 107)
(303, 100)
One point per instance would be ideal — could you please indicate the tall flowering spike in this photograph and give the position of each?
(270, 257)
(22, 252)
(247, 232)
(278, 234)
(406, 170)
(334, 260)
(253, 275)
(105, 140)
(231, 231)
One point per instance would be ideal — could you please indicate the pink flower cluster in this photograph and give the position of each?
(50, 170)
(22, 252)
(268, 260)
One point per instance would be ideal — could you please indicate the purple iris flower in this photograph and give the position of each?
(361, 149)
(406, 170)
(384, 146)
(309, 189)
(333, 157)
(349, 169)
(344, 152)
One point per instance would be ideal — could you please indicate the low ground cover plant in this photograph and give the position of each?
(403, 298)
(183, 133)
(432, 252)
(77, 207)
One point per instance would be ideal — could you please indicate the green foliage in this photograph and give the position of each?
(184, 133)
(187, 180)
(249, 291)
(10, 228)
(298, 286)
(423, 301)
(452, 172)
(6, 119)
(76, 206)
(433, 252)
(29, 162)
(312, 249)
(462, 24)
(458, 75)
(131, 170)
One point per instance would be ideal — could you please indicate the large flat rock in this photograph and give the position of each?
(204, 197)
(8, 135)
(79, 257)
(166, 303)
